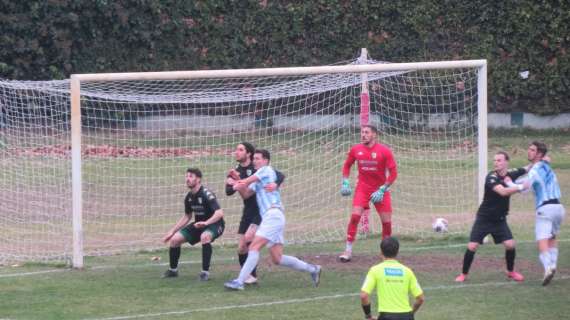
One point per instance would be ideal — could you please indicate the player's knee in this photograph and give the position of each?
(205, 238)
(472, 246)
(176, 241)
(509, 244)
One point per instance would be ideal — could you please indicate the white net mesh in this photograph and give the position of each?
(138, 137)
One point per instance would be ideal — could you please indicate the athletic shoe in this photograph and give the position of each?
(461, 278)
(515, 276)
(234, 285)
(204, 276)
(345, 256)
(250, 280)
(316, 275)
(548, 275)
(170, 274)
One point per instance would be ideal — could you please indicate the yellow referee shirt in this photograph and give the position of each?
(395, 283)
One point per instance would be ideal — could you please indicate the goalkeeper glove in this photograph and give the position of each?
(379, 195)
(345, 189)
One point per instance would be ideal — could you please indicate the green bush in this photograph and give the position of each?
(51, 39)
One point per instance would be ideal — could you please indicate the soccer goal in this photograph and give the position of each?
(95, 165)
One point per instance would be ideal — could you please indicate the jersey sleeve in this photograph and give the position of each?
(229, 190)
(517, 173)
(280, 177)
(389, 156)
(415, 288)
(265, 175)
(348, 163)
(369, 283)
(212, 200)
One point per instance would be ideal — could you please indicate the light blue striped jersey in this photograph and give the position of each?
(544, 183)
(265, 200)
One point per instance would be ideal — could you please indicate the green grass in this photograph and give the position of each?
(130, 286)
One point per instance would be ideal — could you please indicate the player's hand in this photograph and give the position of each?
(239, 185)
(200, 224)
(345, 188)
(233, 174)
(230, 181)
(270, 187)
(168, 236)
(379, 195)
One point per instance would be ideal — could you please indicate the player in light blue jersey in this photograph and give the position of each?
(549, 211)
(270, 231)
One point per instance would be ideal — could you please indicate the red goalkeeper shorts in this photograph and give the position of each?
(362, 199)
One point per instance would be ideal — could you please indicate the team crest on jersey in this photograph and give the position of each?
(373, 155)
(200, 200)
(248, 172)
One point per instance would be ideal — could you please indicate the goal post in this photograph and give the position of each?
(127, 138)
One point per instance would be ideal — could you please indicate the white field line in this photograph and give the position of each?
(296, 301)
(106, 267)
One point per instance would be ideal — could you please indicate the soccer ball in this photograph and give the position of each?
(439, 225)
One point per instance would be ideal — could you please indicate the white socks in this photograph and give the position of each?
(296, 264)
(248, 266)
(545, 259)
(553, 257)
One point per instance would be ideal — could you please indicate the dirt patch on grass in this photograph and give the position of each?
(427, 263)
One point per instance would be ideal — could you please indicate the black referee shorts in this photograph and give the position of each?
(396, 316)
(498, 229)
(246, 220)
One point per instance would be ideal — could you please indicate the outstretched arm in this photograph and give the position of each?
(182, 222)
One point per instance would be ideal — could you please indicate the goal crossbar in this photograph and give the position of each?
(77, 79)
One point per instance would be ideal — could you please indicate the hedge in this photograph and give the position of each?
(51, 39)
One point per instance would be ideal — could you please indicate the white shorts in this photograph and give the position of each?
(272, 227)
(549, 217)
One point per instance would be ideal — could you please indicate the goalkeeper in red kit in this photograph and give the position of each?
(374, 160)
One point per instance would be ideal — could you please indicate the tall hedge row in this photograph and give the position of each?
(51, 39)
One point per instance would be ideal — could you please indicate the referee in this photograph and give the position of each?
(394, 284)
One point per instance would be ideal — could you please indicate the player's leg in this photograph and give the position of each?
(384, 209)
(246, 231)
(208, 235)
(359, 204)
(365, 222)
(557, 219)
(187, 234)
(478, 233)
(501, 233)
(543, 234)
(248, 238)
(278, 258)
(272, 223)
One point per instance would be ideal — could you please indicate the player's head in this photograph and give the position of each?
(261, 158)
(390, 247)
(244, 151)
(368, 134)
(193, 177)
(536, 151)
(501, 161)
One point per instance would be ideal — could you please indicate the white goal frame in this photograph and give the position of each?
(78, 79)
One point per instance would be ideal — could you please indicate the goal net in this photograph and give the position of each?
(139, 133)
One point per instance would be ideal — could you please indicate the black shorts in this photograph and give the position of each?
(192, 234)
(396, 316)
(247, 220)
(499, 229)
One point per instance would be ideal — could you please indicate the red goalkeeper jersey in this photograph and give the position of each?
(373, 163)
